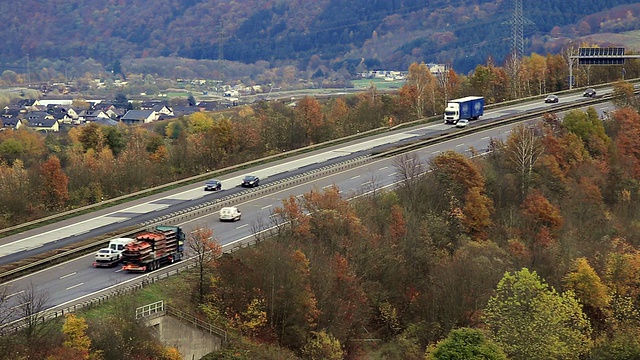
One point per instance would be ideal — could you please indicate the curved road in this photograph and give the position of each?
(76, 280)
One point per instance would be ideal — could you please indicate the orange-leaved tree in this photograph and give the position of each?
(54, 190)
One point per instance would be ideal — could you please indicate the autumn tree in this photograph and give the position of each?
(91, 137)
(490, 81)
(419, 90)
(530, 320)
(15, 193)
(342, 300)
(465, 343)
(322, 346)
(590, 290)
(309, 113)
(338, 115)
(477, 211)
(76, 345)
(53, 184)
(590, 129)
(628, 141)
(296, 312)
(464, 283)
(543, 220)
(205, 252)
(461, 188)
(254, 319)
(22, 144)
(623, 95)
(118, 336)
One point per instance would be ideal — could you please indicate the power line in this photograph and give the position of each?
(517, 22)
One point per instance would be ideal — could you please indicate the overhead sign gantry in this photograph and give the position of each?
(598, 56)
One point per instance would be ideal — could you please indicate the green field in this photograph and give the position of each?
(380, 84)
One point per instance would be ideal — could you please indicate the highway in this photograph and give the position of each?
(76, 280)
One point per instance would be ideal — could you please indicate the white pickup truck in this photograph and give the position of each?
(111, 255)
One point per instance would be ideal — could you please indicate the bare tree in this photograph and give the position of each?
(523, 149)
(513, 67)
(5, 313)
(36, 331)
(409, 170)
(205, 252)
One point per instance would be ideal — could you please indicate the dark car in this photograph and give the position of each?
(212, 185)
(551, 99)
(250, 181)
(590, 92)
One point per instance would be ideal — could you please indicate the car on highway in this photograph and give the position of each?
(213, 185)
(462, 123)
(250, 181)
(551, 99)
(590, 92)
(230, 213)
(107, 257)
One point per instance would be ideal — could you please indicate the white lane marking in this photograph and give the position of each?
(392, 174)
(327, 186)
(366, 183)
(241, 226)
(74, 286)
(485, 138)
(383, 168)
(20, 305)
(435, 152)
(266, 207)
(64, 276)
(14, 294)
(459, 145)
(355, 177)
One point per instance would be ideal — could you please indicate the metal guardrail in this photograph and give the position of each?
(156, 308)
(200, 324)
(125, 288)
(186, 214)
(187, 264)
(192, 179)
(212, 206)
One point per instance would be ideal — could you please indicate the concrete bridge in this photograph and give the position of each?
(192, 337)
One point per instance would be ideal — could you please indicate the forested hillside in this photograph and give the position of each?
(527, 253)
(390, 34)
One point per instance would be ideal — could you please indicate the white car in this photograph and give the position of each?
(230, 213)
(108, 255)
(113, 254)
(462, 123)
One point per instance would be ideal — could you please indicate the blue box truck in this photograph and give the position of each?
(470, 107)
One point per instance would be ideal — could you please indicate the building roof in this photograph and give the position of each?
(106, 122)
(137, 114)
(42, 123)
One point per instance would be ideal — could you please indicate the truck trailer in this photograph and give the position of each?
(470, 108)
(152, 249)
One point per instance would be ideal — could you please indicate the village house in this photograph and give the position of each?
(135, 117)
(46, 125)
(10, 123)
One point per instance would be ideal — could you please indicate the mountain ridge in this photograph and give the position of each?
(390, 34)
